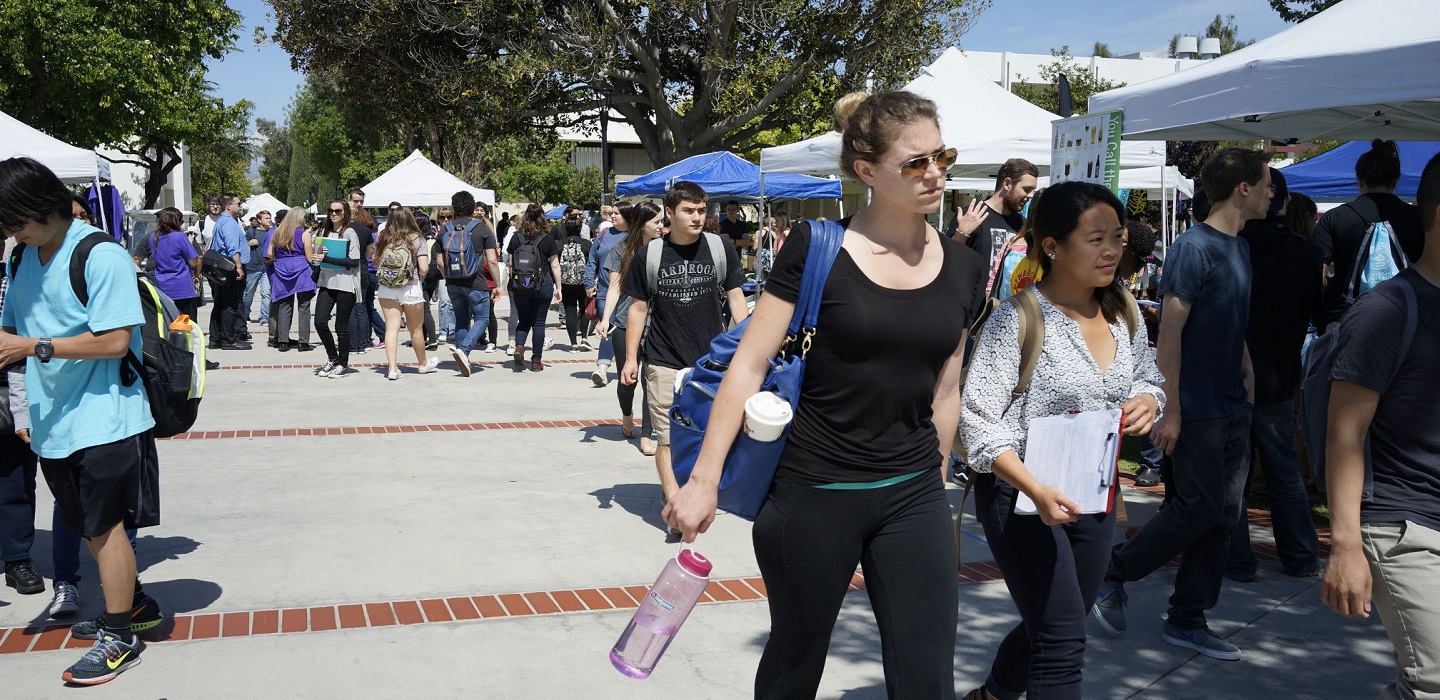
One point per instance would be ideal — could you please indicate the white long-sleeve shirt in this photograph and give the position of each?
(1066, 378)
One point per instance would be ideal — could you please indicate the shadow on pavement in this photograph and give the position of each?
(641, 500)
(609, 433)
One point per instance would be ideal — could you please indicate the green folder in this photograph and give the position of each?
(334, 248)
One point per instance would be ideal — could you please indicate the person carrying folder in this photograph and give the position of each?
(1092, 359)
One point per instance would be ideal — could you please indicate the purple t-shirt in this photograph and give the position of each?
(172, 255)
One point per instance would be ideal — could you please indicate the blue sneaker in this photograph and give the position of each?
(1203, 641)
(108, 658)
(1109, 608)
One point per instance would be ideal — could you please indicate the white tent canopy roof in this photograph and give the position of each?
(418, 182)
(983, 121)
(1133, 179)
(1362, 69)
(70, 163)
(263, 202)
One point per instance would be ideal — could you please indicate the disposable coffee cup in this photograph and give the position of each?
(766, 416)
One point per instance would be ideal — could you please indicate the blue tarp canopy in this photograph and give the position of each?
(726, 175)
(557, 212)
(1332, 174)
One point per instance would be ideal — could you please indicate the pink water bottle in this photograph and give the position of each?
(664, 609)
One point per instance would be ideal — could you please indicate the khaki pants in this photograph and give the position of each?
(659, 395)
(1404, 566)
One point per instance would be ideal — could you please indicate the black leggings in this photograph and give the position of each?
(341, 303)
(807, 543)
(573, 296)
(626, 392)
(1053, 574)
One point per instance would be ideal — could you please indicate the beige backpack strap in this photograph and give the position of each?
(1032, 337)
(1130, 311)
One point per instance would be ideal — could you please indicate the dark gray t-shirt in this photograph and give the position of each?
(1405, 433)
(1211, 271)
(685, 309)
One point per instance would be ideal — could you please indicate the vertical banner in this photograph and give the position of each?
(1087, 149)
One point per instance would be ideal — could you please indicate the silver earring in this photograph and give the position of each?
(1052, 255)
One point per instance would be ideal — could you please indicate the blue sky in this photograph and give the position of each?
(262, 74)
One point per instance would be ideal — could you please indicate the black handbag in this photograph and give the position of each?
(217, 268)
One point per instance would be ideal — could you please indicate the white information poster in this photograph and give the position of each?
(1087, 149)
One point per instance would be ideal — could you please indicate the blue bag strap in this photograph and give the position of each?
(825, 240)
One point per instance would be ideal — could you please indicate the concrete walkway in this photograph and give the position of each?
(476, 537)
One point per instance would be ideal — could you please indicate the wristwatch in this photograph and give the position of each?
(44, 350)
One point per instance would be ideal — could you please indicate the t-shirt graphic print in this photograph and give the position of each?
(685, 306)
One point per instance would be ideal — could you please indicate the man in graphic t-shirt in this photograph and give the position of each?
(1385, 549)
(1209, 390)
(683, 308)
(988, 227)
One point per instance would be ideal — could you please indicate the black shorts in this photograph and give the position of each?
(99, 487)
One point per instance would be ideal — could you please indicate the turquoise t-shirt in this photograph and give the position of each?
(75, 404)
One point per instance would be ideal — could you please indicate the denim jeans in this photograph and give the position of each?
(447, 311)
(1273, 435)
(17, 498)
(257, 281)
(472, 313)
(1207, 480)
(377, 321)
(1150, 455)
(65, 548)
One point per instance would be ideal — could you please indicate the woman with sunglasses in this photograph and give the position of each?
(634, 236)
(1054, 561)
(339, 283)
(860, 479)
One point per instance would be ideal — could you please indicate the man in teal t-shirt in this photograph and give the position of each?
(91, 431)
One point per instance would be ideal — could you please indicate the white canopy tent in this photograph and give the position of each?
(418, 182)
(1362, 69)
(263, 202)
(1155, 179)
(70, 163)
(983, 121)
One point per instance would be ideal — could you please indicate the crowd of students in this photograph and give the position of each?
(862, 477)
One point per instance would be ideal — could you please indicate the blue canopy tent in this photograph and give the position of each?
(1331, 175)
(726, 175)
(557, 212)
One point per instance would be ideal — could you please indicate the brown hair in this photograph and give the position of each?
(169, 220)
(869, 125)
(328, 226)
(358, 215)
(636, 216)
(1014, 169)
(1379, 166)
(1301, 213)
(285, 234)
(400, 229)
(533, 222)
(1228, 168)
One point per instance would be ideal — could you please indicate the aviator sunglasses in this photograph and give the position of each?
(917, 166)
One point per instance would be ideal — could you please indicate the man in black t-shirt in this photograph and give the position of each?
(1341, 231)
(683, 306)
(733, 227)
(470, 295)
(1387, 548)
(988, 228)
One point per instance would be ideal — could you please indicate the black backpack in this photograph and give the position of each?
(173, 378)
(527, 267)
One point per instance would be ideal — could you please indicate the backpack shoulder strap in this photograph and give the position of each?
(717, 256)
(1031, 337)
(78, 260)
(1129, 311)
(15, 256)
(653, 251)
(1412, 323)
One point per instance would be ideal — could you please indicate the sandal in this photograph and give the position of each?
(629, 432)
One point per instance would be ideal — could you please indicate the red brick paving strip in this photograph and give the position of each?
(447, 365)
(384, 429)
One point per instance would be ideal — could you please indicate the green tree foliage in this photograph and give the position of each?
(586, 185)
(1102, 50)
(223, 164)
(689, 76)
(1300, 10)
(276, 152)
(129, 75)
(1045, 92)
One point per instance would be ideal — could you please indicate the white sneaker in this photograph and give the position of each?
(430, 365)
(490, 348)
(393, 374)
(462, 361)
(601, 376)
(339, 371)
(549, 342)
(66, 601)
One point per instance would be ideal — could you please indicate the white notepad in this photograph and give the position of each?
(1077, 453)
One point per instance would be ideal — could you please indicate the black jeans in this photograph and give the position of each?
(227, 319)
(1053, 574)
(190, 307)
(573, 297)
(807, 543)
(341, 304)
(17, 498)
(531, 312)
(1207, 483)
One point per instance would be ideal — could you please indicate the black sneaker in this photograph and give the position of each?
(959, 473)
(110, 657)
(1147, 476)
(144, 617)
(1109, 609)
(21, 576)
